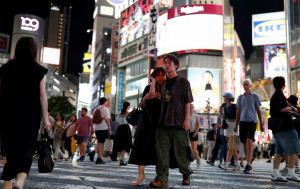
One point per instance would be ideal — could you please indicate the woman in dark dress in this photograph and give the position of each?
(22, 99)
(143, 150)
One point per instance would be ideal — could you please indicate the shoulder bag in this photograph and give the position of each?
(64, 134)
(134, 116)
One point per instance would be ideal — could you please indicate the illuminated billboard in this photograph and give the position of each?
(135, 21)
(205, 85)
(275, 62)
(190, 28)
(268, 28)
(4, 43)
(51, 56)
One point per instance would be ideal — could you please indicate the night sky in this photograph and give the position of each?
(82, 19)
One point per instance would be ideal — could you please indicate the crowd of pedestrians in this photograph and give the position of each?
(167, 135)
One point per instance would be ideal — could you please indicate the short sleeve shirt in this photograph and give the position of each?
(84, 126)
(105, 115)
(247, 106)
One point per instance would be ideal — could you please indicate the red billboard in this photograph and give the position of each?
(134, 21)
(4, 40)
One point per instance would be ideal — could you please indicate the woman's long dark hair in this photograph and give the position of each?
(125, 106)
(62, 116)
(26, 49)
(157, 71)
(75, 118)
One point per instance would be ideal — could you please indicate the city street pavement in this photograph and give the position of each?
(85, 175)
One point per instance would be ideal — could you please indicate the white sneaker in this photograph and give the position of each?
(278, 179)
(297, 170)
(284, 171)
(224, 167)
(236, 168)
(198, 162)
(293, 178)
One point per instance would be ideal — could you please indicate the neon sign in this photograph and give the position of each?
(29, 24)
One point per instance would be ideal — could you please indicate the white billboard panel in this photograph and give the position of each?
(268, 28)
(189, 28)
(51, 56)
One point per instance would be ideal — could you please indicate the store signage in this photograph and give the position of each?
(29, 24)
(134, 21)
(198, 32)
(4, 40)
(115, 2)
(133, 49)
(195, 9)
(114, 44)
(268, 28)
(154, 11)
(105, 10)
(120, 93)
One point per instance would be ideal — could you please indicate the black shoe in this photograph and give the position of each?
(92, 155)
(269, 161)
(122, 163)
(99, 161)
(248, 169)
(210, 163)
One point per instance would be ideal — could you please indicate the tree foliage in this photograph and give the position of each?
(61, 104)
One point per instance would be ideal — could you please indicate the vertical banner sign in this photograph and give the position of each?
(120, 94)
(154, 11)
(114, 44)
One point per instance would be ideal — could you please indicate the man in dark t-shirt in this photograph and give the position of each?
(286, 137)
(174, 124)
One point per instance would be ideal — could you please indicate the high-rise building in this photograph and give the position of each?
(59, 82)
(58, 32)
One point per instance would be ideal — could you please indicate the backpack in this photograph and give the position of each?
(97, 116)
(210, 135)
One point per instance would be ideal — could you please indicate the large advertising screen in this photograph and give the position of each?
(275, 62)
(205, 85)
(194, 27)
(135, 21)
(268, 28)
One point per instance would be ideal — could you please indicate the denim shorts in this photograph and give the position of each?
(82, 139)
(287, 142)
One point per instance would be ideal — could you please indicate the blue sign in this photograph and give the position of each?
(269, 28)
(120, 93)
(115, 2)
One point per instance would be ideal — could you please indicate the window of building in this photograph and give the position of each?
(137, 69)
(135, 87)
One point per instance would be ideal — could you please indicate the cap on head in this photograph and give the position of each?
(229, 95)
(293, 100)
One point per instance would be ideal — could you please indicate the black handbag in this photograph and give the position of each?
(134, 116)
(45, 162)
(224, 125)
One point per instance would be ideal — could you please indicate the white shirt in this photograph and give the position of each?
(193, 123)
(121, 120)
(105, 115)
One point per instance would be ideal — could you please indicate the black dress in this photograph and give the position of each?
(20, 114)
(143, 150)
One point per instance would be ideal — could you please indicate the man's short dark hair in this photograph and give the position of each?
(84, 109)
(278, 82)
(102, 100)
(173, 58)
